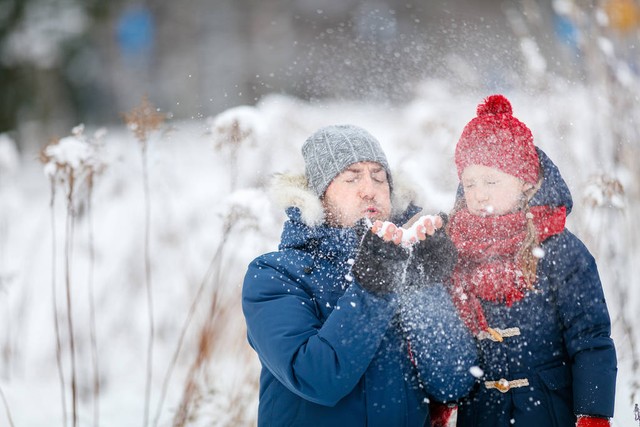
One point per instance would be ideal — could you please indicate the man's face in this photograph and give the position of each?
(361, 190)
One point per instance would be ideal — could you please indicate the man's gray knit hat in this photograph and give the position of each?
(332, 149)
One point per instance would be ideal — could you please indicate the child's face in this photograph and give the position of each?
(491, 192)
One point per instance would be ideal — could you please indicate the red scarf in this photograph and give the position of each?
(488, 268)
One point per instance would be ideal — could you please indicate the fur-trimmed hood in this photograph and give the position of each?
(292, 190)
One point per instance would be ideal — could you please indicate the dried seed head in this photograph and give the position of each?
(234, 127)
(605, 191)
(144, 119)
(73, 160)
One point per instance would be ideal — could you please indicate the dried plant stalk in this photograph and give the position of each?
(215, 262)
(92, 310)
(142, 120)
(69, 162)
(69, 228)
(208, 336)
(607, 229)
(54, 300)
(6, 407)
(218, 315)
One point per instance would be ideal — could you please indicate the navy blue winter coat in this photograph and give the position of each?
(562, 345)
(333, 354)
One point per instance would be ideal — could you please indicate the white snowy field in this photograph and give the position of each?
(210, 214)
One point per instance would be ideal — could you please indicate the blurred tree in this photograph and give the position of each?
(49, 70)
(14, 91)
(63, 62)
(31, 80)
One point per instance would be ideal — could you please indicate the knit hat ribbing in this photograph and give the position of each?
(331, 149)
(497, 139)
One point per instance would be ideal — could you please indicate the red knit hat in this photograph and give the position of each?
(497, 139)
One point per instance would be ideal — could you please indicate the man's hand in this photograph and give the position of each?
(380, 264)
(433, 254)
(388, 231)
(425, 226)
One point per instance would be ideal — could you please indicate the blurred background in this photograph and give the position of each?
(63, 62)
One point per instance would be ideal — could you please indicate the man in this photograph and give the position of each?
(323, 312)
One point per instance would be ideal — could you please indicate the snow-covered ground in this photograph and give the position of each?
(209, 215)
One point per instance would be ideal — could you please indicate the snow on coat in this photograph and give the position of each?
(333, 354)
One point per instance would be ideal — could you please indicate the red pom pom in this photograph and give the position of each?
(495, 104)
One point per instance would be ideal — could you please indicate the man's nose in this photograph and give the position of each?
(367, 189)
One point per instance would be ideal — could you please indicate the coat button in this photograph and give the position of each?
(503, 385)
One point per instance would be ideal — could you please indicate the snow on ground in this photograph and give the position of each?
(209, 216)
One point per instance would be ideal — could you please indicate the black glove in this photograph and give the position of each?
(379, 265)
(432, 260)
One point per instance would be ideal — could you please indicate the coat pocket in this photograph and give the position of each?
(556, 378)
(557, 385)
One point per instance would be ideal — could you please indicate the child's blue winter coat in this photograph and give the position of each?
(562, 346)
(331, 353)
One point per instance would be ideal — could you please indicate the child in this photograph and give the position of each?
(525, 286)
